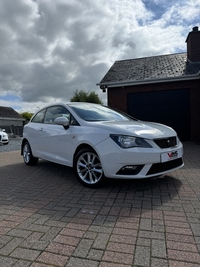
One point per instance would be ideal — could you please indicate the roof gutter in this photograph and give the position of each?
(12, 119)
(105, 85)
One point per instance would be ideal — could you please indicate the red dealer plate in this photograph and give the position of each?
(175, 154)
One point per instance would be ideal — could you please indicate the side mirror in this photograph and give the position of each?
(62, 121)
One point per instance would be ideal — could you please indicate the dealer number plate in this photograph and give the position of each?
(171, 155)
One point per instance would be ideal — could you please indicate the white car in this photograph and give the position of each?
(3, 137)
(100, 142)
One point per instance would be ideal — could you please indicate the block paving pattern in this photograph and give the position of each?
(48, 219)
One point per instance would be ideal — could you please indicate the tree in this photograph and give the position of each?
(26, 115)
(82, 96)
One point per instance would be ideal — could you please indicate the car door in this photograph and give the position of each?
(34, 133)
(55, 139)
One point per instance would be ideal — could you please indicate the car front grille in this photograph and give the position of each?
(166, 142)
(165, 166)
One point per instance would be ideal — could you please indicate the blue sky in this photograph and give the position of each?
(49, 49)
(158, 8)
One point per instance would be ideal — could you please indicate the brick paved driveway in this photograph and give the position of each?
(48, 219)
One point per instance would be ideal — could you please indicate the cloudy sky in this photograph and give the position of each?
(49, 49)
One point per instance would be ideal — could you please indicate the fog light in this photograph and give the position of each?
(130, 169)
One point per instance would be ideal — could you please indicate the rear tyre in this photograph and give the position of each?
(88, 168)
(27, 155)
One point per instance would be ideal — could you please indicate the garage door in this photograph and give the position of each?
(170, 107)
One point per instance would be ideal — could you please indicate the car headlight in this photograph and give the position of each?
(125, 141)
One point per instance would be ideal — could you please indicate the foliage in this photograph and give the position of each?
(26, 115)
(82, 96)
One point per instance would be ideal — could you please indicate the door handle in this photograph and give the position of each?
(41, 129)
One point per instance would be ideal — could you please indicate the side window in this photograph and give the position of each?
(55, 112)
(39, 117)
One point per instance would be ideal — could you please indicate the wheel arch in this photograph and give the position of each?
(94, 167)
(80, 147)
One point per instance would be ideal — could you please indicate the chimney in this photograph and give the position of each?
(193, 45)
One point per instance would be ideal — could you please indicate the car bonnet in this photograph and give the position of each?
(148, 130)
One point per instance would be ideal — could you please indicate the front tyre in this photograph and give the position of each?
(88, 168)
(27, 155)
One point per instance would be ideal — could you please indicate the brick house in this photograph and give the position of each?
(164, 89)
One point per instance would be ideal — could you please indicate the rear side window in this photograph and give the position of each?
(39, 117)
(48, 115)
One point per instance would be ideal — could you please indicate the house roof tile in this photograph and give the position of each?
(155, 67)
(9, 113)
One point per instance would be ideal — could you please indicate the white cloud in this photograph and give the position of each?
(49, 49)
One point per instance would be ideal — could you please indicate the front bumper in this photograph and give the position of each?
(138, 162)
(4, 140)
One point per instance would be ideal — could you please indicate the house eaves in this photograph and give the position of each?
(12, 119)
(105, 85)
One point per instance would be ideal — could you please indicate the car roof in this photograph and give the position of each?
(66, 104)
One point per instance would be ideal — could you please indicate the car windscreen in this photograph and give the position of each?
(98, 113)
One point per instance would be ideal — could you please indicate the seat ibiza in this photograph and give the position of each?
(98, 142)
